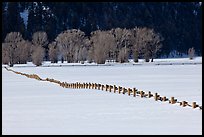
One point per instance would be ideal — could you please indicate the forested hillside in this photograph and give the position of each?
(180, 24)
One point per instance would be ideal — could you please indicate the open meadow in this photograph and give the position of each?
(40, 107)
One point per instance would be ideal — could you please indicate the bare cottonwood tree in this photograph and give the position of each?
(123, 55)
(23, 52)
(39, 42)
(135, 54)
(70, 41)
(40, 39)
(53, 52)
(90, 55)
(10, 47)
(103, 43)
(136, 42)
(13, 37)
(191, 53)
(5, 55)
(83, 54)
(146, 42)
(37, 55)
(122, 37)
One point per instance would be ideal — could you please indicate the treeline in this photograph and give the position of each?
(74, 46)
(180, 23)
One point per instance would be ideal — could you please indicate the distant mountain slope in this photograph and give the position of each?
(180, 23)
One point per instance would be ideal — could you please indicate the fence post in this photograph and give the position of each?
(110, 87)
(106, 87)
(75, 85)
(134, 92)
(102, 87)
(61, 84)
(95, 86)
(149, 94)
(172, 101)
(141, 94)
(92, 85)
(155, 96)
(65, 84)
(119, 89)
(194, 104)
(128, 91)
(114, 88)
(164, 98)
(99, 85)
(123, 90)
(184, 103)
(87, 85)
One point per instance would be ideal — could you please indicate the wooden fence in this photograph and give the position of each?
(113, 88)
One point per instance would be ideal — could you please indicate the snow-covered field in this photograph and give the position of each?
(39, 107)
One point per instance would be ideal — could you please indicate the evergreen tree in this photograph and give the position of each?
(179, 23)
(11, 19)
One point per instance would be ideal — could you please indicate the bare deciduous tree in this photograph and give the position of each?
(90, 56)
(70, 41)
(53, 52)
(146, 42)
(37, 55)
(116, 44)
(13, 37)
(83, 53)
(40, 39)
(136, 42)
(23, 52)
(10, 47)
(122, 37)
(154, 45)
(122, 56)
(135, 55)
(103, 43)
(191, 53)
(5, 54)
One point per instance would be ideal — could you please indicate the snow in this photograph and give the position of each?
(45, 8)
(39, 107)
(24, 15)
(168, 61)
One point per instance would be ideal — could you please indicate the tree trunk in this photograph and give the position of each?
(147, 60)
(11, 65)
(62, 59)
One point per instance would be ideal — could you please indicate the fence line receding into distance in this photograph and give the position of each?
(113, 88)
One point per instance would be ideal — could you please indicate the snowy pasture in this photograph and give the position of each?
(40, 107)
